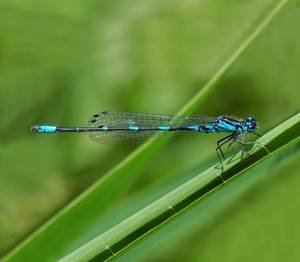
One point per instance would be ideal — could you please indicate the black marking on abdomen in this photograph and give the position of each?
(205, 129)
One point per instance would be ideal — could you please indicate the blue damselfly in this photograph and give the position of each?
(124, 127)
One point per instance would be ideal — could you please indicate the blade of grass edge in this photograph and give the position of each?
(144, 152)
(144, 221)
(175, 234)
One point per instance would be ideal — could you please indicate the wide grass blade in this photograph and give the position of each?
(193, 233)
(157, 213)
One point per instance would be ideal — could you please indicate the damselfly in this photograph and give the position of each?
(123, 127)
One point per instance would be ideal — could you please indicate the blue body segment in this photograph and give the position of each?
(133, 128)
(46, 129)
(194, 127)
(164, 128)
(226, 128)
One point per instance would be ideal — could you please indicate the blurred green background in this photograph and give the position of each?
(63, 61)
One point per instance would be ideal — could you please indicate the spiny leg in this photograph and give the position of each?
(240, 139)
(221, 143)
(234, 139)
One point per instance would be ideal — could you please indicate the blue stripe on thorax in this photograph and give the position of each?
(227, 127)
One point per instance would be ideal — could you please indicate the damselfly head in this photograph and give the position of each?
(251, 124)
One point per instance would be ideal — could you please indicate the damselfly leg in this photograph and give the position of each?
(239, 138)
(220, 144)
(244, 143)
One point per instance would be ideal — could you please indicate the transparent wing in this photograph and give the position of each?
(122, 120)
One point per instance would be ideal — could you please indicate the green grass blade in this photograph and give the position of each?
(115, 183)
(193, 233)
(157, 213)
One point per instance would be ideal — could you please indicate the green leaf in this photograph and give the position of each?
(156, 214)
